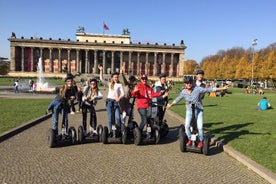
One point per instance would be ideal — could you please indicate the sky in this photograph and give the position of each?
(205, 26)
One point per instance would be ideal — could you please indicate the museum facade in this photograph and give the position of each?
(88, 50)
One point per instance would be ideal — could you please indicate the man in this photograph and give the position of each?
(191, 93)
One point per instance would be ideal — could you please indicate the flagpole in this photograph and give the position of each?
(103, 27)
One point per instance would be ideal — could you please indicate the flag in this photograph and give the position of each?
(105, 27)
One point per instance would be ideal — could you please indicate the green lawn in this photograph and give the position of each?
(235, 120)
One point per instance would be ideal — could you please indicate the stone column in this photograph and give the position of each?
(180, 66)
(112, 62)
(129, 62)
(22, 59)
(12, 55)
(86, 61)
(78, 60)
(121, 59)
(104, 63)
(68, 60)
(147, 65)
(32, 59)
(163, 69)
(171, 65)
(42, 61)
(95, 62)
(138, 66)
(155, 64)
(51, 60)
(59, 61)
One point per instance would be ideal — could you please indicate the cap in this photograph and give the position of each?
(69, 76)
(162, 75)
(132, 78)
(200, 72)
(188, 79)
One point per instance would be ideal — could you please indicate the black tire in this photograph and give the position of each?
(73, 135)
(137, 136)
(182, 138)
(100, 132)
(104, 135)
(157, 135)
(125, 133)
(164, 129)
(206, 144)
(51, 138)
(80, 134)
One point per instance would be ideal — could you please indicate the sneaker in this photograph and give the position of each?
(200, 144)
(95, 132)
(91, 129)
(189, 143)
(72, 112)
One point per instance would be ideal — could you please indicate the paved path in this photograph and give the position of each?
(26, 158)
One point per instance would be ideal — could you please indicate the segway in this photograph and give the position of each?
(194, 137)
(164, 128)
(131, 125)
(117, 135)
(66, 135)
(152, 134)
(90, 136)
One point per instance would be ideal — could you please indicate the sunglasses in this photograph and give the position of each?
(144, 78)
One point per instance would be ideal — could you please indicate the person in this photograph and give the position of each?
(16, 86)
(61, 104)
(72, 100)
(125, 104)
(144, 94)
(191, 93)
(161, 85)
(264, 104)
(79, 98)
(114, 95)
(90, 97)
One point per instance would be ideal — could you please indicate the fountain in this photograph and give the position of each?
(42, 86)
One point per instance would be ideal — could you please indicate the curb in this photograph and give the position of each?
(252, 165)
(8, 134)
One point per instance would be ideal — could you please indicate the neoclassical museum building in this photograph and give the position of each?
(88, 50)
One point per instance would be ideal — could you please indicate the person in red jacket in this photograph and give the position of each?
(144, 94)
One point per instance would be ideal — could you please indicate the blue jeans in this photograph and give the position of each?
(199, 120)
(143, 114)
(109, 113)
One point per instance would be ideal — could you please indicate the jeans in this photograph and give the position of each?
(93, 116)
(143, 114)
(199, 120)
(109, 113)
(55, 107)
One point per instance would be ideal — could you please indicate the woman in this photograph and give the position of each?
(115, 94)
(90, 97)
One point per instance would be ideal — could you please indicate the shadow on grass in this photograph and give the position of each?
(231, 132)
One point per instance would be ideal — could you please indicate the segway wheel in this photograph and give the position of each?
(137, 136)
(100, 132)
(156, 133)
(125, 133)
(206, 143)
(164, 129)
(73, 135)
(51, 138)
(104, 135)
(182, 138)
(81, 134)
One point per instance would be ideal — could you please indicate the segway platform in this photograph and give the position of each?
(90, 136)
(61, 139)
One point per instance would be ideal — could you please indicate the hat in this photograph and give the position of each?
(144, 76)
(69, 76)
(188, 79)
(93, 80)
(132, 78)
(200, 72)
(162, 75)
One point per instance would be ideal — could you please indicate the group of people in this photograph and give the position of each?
(118, 98)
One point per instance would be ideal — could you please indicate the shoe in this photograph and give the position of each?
(189, 143)
(95, 132)
(200, 144)
(72, 112)
(47, 112)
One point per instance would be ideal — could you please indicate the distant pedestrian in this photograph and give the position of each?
(16, 86)
(264, 104)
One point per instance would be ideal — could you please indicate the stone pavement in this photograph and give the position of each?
(26, 158)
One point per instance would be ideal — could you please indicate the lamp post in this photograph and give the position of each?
(254, 43)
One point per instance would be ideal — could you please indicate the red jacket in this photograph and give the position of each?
(144, 95)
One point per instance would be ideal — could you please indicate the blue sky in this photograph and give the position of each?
(206, 26)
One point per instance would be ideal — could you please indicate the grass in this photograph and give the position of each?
(15, 112)
(235, 120)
